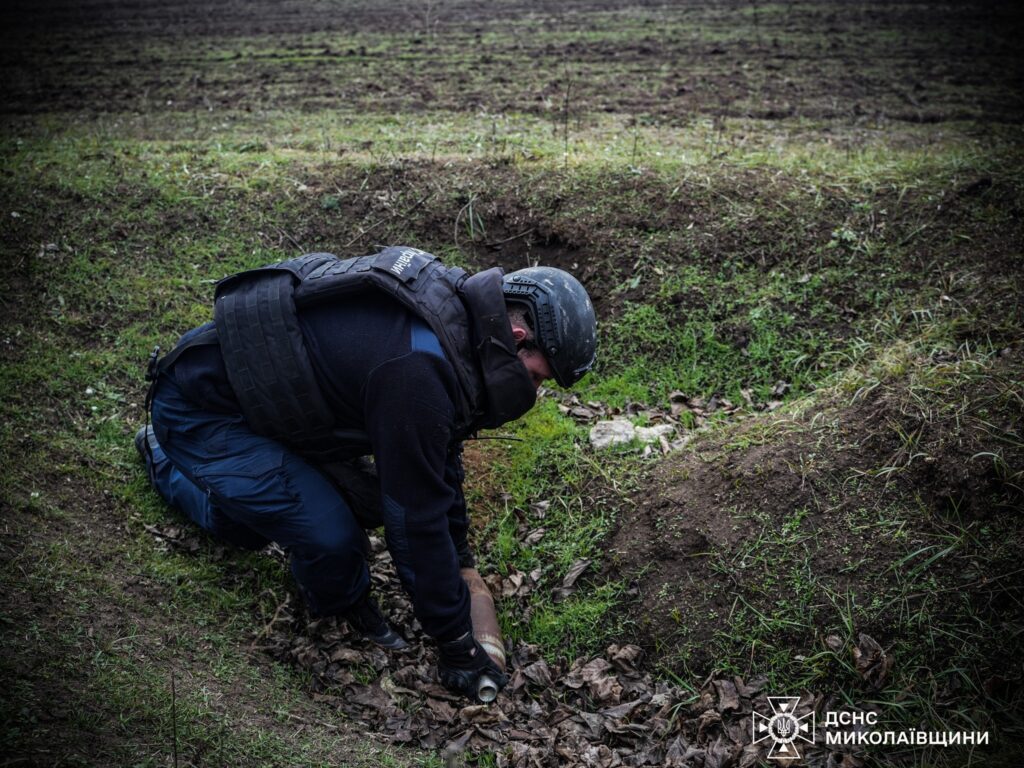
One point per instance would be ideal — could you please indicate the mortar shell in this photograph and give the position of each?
(484, 618)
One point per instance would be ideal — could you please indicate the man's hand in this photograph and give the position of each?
(461, 663)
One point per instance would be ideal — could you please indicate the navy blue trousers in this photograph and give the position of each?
(249, 490)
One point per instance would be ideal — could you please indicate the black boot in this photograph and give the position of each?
(146, 445)
(145, 442)
(365, 617)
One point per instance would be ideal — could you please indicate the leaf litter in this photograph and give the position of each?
(601, 712)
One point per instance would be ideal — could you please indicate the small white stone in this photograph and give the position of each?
(605, 434)
(651, 434)
(620, 431)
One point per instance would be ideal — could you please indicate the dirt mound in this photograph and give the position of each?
(768, 538)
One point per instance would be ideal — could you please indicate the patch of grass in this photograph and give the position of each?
(578, 626)
(550, 483)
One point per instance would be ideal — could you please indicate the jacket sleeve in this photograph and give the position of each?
(409, 412)
(458, 518)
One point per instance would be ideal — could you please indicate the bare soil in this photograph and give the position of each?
(920, 63)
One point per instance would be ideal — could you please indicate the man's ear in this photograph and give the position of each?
(518, 334)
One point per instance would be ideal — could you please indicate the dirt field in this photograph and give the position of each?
(917, 62)
(801, 226)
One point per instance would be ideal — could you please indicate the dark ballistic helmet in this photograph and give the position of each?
(563, 318)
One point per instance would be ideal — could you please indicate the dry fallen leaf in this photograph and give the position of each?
(751, 686)
(835, 643)
(540, 509)
(750, 756)
(622, 710)
(441, 710)
(871, 661)
(347, 655)
(534, 537)
(625, 657)
(728, 698)
(481, 714)
(569, 582)
(539, 673)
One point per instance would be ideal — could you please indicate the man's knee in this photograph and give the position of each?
(339, 540)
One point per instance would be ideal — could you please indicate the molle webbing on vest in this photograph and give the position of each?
(264, 355)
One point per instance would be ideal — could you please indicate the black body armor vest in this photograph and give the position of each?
(268, 365)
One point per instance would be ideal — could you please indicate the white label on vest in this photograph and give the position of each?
(404, 260)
